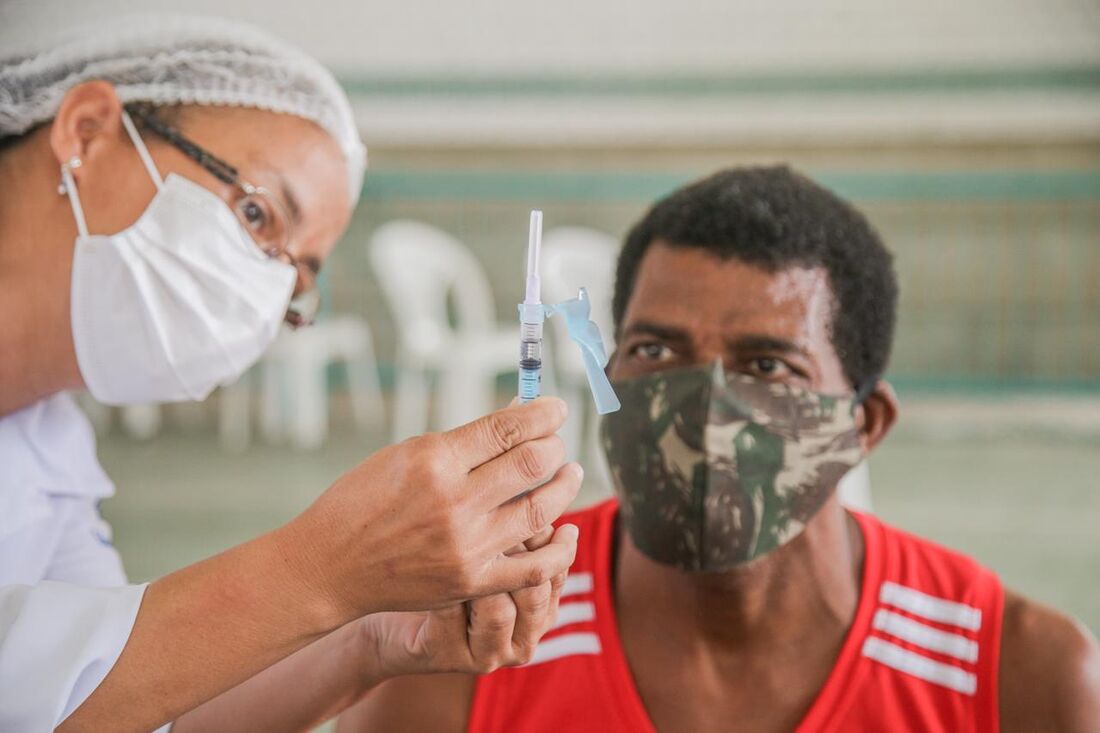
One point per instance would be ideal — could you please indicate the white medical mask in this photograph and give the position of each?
(178, 303)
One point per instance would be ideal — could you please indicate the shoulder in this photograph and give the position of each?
(49, 448)
(431, 703)
(929, 567)
(1049, 671)
(915, 544)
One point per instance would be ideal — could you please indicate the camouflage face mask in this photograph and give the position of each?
(716, 469)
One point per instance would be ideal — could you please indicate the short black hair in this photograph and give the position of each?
(776, 219)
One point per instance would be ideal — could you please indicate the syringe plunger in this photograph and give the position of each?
(531, 316)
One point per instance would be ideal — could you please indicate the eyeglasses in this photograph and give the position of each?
(258, 210)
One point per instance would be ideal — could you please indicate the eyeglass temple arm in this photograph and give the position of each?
(221, 170)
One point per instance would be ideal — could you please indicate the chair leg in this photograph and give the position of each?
(235, 414)
(410, 412)
(309, 394)
(365, 387)
(272, 409)
(141, 421)
(572, 432)
(465, 393)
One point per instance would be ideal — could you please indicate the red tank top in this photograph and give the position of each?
(921, 655)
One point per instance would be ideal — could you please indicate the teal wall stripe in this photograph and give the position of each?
(993, 386)
(971, 386)
(644, 186)
(1082, 78)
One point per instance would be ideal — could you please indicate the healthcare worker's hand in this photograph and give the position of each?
(476, 637)
(323, 679)
(427, 523)
(422, 525)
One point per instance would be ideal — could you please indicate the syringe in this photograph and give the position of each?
(531, 316)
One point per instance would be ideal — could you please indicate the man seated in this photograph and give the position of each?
(726, 588)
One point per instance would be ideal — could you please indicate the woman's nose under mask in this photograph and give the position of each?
(714, 469)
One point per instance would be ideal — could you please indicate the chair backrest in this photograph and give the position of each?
(573, 257)
(418, 266)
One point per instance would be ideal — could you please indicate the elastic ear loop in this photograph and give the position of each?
(74, 199)
(143, 152)
(146, 160)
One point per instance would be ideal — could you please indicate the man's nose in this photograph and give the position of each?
(708, 357)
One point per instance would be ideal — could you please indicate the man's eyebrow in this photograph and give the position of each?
(760, 342)
(661, 331)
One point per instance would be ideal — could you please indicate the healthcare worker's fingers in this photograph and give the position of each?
(492, 623)
(486, 438)
(424, 524)
(526, 617)
(530, 462)
(538, 540)
(476, 637)
(556, 585)
(529, 605)
(530, 569)
(537, 607)
(536, 611)
(526, 515)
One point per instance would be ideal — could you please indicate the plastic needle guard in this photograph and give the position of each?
(586, 335)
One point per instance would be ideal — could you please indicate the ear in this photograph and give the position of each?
(877, 415)
(88, 120)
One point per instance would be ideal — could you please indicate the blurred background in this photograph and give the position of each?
(968, 132)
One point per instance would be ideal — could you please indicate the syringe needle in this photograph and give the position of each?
(534, 246)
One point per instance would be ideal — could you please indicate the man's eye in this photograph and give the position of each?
(652, 352)
(768, 367)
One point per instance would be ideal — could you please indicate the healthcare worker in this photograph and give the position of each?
(166, 186)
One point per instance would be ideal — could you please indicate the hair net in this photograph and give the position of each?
(173, 59)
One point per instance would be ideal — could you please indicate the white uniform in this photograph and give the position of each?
(65, 608)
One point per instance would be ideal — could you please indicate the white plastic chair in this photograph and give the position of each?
(573, 257)
(293, 385)
(421, 269)
(141, 422)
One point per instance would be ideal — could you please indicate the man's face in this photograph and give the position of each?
(689, 307)
(708, 487)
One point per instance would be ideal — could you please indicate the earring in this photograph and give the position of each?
(71, 164)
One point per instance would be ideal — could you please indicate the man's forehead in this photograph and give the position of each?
(692, 288)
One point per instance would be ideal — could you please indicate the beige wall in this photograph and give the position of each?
(996, 288)
(600, 36)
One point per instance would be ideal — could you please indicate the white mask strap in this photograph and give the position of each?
(69, 186)
(143, 152)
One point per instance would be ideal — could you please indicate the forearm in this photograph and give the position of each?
(201, 631)
(296, 694)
